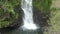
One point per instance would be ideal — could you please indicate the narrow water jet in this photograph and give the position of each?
(28, 23)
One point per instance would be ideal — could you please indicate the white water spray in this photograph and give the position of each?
(26, 6)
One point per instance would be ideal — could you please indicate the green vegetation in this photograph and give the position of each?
(7, 13)
(43, 5)
(54, 9)
(7, 7)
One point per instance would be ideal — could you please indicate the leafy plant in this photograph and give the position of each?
(7, 13)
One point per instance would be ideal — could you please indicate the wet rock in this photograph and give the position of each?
(40, 18)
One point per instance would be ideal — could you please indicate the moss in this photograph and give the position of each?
(43, 5)
(7, 18)
(11, 2)
(7, 13)
(54, 18)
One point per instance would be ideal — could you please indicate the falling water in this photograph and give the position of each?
(26, 6)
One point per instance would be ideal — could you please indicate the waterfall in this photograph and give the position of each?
(28, 22)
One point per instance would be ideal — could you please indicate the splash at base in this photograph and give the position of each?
(28, 23)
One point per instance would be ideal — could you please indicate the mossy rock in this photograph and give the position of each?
(7, 13)
(7, 18)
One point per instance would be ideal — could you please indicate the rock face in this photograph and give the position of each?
(6, 18)
(56, 3)
(39, 18)
(17, 22)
